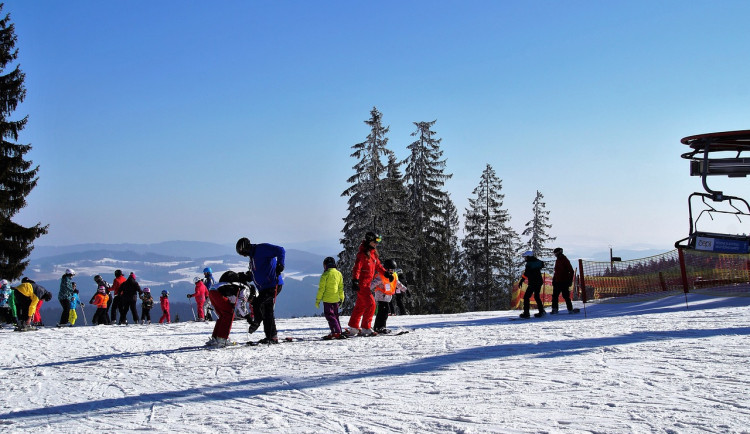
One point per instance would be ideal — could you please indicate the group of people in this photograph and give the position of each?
(562, 279)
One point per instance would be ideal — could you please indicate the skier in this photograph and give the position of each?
(561, 281)
(119, 280)
(200, 295)
(107, 288)
(164, 302)
(100, 300)
(331, 292)
(130, 290)
(208, 281)
(532, 272)
(75, 301)
(147, 302)
(384, 289)
(266, 266)
(66, 291)
(7, 304)
(366, 265)
(27, 296)
(223, 296)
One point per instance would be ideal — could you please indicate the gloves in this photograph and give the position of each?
(520, 282)
(279, 268)
(341, 300)
(389, 275)
(190, 295)
(355, 285)
(246, 277)
(317, 304)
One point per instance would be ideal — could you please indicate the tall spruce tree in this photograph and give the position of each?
(366, 195)
(425, 177)
(490, 246)
(393, 222)
(17, 178)
(449, 277)
(537, 227)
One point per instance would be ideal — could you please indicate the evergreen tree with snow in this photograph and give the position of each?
(449, 276)
(491, 246)
(537, 229)
(17, 177)
(425, 178)
(393, 219)
(366, 195)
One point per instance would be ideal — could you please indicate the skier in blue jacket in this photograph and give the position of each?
(266, 266)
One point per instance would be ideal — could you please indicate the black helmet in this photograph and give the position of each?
(390, 264)
(557, 250)
(372, 236)
(97, 278)
(329, 262)
(243, 247)
(118, 273)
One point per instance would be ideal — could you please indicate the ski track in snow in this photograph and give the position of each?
(631, 367)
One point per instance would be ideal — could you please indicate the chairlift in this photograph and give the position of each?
(709, 157)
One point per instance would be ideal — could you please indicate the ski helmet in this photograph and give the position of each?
(243, 246)
(4, 282)
(197, 279)
(390, 264)
(528, 254)
(70, 271)
(165, 293)
(207, 270)
(118, 273)
(97, 278)
(147, 290)
(329, 262)
(133, 275)
(101, 289)
(372, 236)
(557, 250)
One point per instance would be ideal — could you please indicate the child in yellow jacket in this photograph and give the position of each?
(331, 293)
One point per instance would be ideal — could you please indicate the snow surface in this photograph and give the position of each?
(648, 366)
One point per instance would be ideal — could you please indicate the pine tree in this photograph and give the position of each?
(366, 195)
(425, 177)
(395, 225)
(448, 276)
(537, 227)
(490, 246)
(17, 178)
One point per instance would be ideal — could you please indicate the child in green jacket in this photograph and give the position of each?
(331, 292)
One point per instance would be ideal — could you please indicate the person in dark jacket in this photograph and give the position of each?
(66, 291)
(266, 266)
(561, 281)
(130, 290)
(533, 274)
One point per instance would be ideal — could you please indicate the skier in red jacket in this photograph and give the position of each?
(200, 295)
(365, 267)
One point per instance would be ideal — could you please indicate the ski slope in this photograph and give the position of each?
(650, 366)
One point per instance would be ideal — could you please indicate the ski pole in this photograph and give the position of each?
(83, 312)
(195, 318)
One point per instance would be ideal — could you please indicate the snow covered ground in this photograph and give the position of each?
(649, 366)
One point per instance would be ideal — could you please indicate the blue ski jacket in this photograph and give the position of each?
(263, 261)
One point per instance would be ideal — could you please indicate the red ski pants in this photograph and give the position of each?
(225, 310)
(364, 308)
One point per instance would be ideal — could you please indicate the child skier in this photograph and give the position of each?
(200, 295)
(7, 305)
(147, 302)
(384, 289)
(100, 300)
(164, 301)
(75, 301)
(331, 292)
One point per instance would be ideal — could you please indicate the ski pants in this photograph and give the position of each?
(22, 306)
(65, 316)
(115, 307)
(165, 317)
(331, 312)
(225, 310)
(37, 317)
(101, 316)
(384, 308)
(145, 314)
(199, 307)
(72, 317)
(263, 306)
(127, 303)
(364, 307)
(533, 289)
(564, 289)
(6, 316)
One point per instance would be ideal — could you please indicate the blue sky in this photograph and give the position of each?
(207, 121)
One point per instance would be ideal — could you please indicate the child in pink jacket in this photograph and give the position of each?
(164, 301)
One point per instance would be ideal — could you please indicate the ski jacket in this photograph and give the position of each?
(117, 283)
(100, 300)
(263, 261)
(533, 271)
(366, 265)
(330, 287)
(164, 301)
(564, 272)
(130, 289)
(34, 292)
(75, 301)
(5, 293)
(381, 284)
(201, 293)
(66, 288)
(147, 301)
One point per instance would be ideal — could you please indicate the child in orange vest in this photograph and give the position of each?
(100, 300)
(384, 289)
